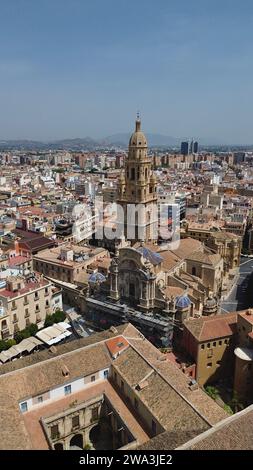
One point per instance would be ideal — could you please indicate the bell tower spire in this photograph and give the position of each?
(138, 187)
(138, 122)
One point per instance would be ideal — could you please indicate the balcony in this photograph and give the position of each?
(27, 315)
(5, 333)
(75, 427)
(26, 302)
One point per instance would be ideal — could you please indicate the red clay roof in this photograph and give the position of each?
(116, 345)
(247, 316)
(29, 287)
(16, 260)
(208, 328)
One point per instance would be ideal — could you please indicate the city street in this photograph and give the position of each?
(236, 298)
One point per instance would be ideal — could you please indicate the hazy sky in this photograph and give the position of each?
(76, 68)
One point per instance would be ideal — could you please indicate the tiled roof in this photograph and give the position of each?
(116, 345)
(17, 260)
(205, 258)
(166, 391)
(208, 328)
(233, 433)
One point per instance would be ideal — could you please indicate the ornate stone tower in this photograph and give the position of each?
(138, 188)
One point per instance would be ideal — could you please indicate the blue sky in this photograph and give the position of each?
(76, 68)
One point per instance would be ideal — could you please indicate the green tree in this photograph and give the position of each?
(56, 317)
(48, 321)
(10, 343)
(3, 345)
(31, 330)
(235, 403)
(212, 392)
(228, 409)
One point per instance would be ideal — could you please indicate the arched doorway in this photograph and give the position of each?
(76, 441)
(58, 446)
(101, 437)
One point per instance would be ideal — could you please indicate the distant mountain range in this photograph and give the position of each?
(116, 140)
(153, 140)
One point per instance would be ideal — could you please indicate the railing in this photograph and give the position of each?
(5, 333)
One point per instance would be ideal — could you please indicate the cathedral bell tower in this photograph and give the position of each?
(138, 188)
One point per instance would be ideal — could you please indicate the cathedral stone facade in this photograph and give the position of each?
(137, 190)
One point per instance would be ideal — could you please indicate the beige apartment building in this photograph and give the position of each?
(24, 301)
(67, 263)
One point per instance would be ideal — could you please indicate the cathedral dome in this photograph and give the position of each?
(138, 139)
(96, 277)
(210, 306)
(183, 301)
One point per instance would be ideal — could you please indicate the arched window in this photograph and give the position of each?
(194, 271)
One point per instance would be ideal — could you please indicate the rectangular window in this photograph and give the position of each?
(93, 378)
(220, 343)
(214, 343)
(94, 414)
(40, 399)
(209, 364)
(23, 406)
(210, 353)
(202, 346)
(67, 389)
(106, 373)
(54, 431)
(75, 421)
